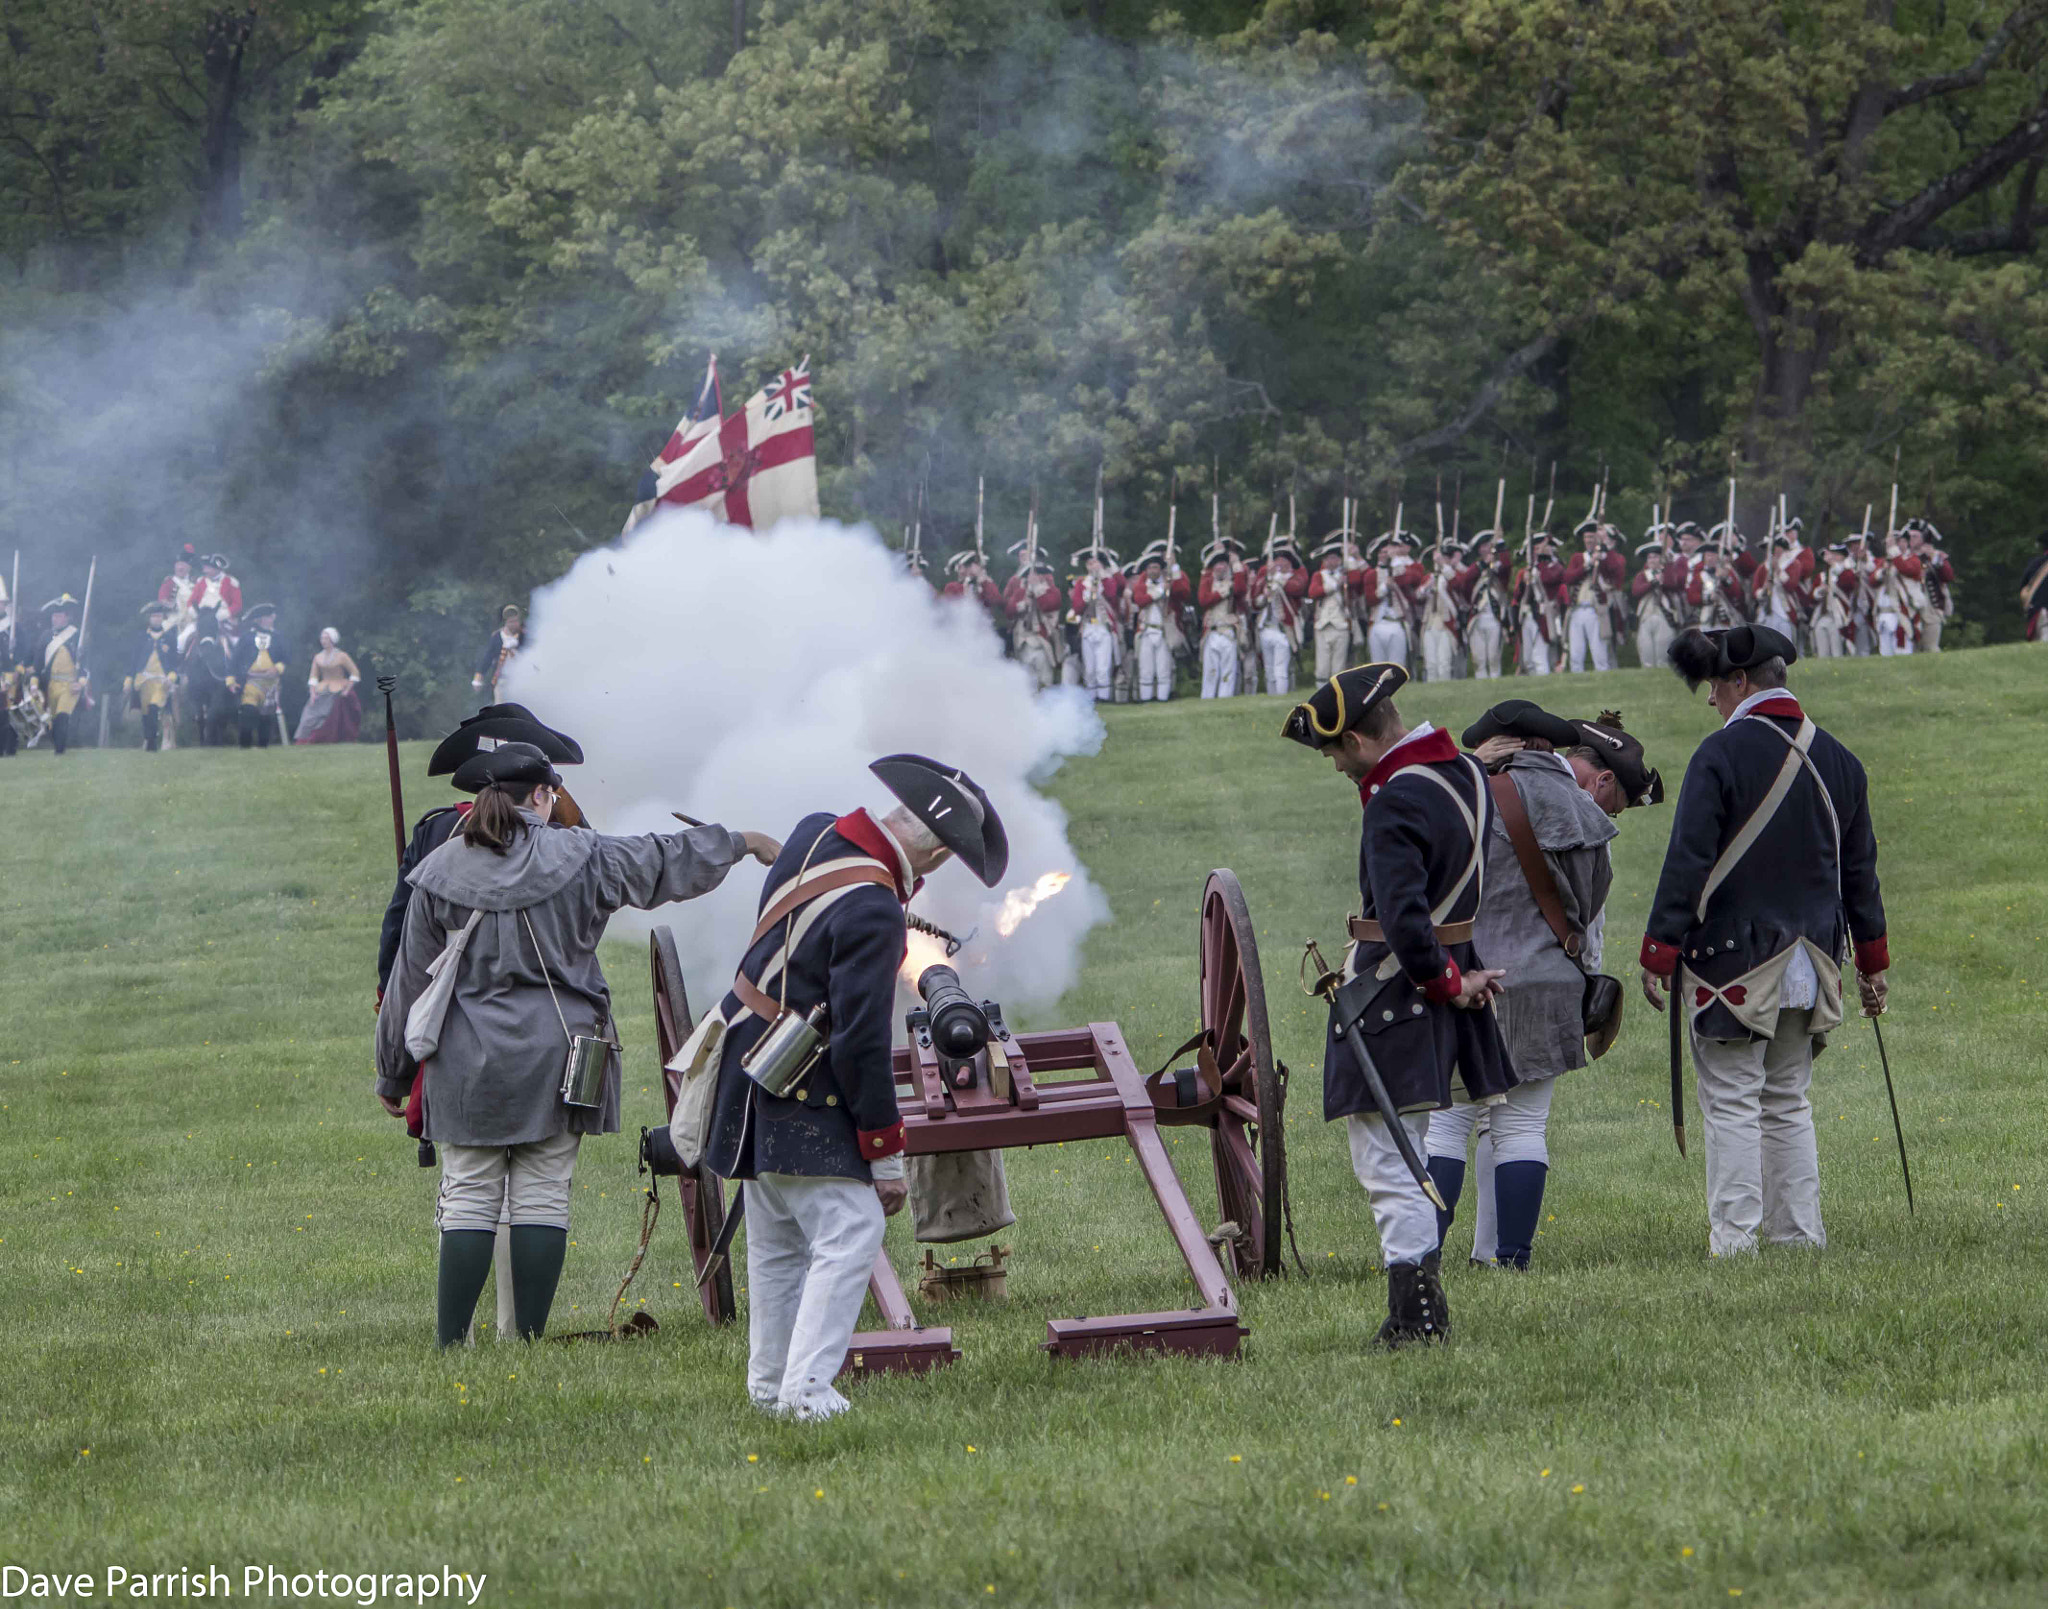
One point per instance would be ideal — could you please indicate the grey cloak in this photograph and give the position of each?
(1542, 993)
(497, 1076)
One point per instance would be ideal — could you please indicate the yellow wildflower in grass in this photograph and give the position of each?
(1685, 1553)
(753, 1458)
(1545, 1475)
(1237, 1458)
(820, 1492)
(1576, 1490)
(1350, 1480)
(970, 1446)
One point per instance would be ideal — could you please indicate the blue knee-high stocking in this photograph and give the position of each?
(1517, 1204)
(1449, 1174)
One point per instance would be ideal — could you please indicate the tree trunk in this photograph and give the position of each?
(218, 216)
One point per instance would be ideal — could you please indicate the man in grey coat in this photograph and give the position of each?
(535, 905)
(1571, 779)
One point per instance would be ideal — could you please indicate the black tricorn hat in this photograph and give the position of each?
(513, 764)
(1699, 655)
(1625, 758)
(952, 804)
(495, 725)
(63, 601)
(256, 609)
(1518, 717)
(188, 554)
(1342, 702)
(156, 606)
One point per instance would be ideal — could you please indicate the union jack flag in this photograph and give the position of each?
(702, 419)
(791, 389)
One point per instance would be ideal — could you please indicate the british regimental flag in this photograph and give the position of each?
(755, 468)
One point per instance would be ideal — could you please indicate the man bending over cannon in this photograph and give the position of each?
(805, 1104)
(1413, 999)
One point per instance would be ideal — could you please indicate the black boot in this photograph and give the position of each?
(1416, 1309)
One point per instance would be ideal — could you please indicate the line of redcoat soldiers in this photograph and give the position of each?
(1481, 607)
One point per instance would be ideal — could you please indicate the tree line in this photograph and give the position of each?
(393, 299)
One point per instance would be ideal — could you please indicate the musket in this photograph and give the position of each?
(387, 685)
(1328, 986)
(1500, 498)
(1892, 1095)
(1439, 511)
(1272, 535)
(1215, 500)
(1098, 502)
(1728, 527)
(85, 615)
(980, 552)
(1891, 519)
(13, 622)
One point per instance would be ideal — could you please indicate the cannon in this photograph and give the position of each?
(965, 1082)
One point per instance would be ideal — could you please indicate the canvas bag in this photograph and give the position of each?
(423, 1022)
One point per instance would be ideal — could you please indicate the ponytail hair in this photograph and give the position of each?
(494, 822)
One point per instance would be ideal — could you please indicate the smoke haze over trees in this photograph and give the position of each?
(393, 299)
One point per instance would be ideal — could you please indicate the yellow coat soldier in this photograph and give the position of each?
(149, 683)
(56, 667)
(254, 677)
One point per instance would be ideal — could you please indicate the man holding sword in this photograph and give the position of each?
(1413, 1000)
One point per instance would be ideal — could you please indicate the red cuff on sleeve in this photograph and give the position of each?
(1661, 959)
(1873, 956)
(878, 1143)
(1444, 988)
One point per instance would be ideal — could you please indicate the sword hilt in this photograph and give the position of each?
(1327, 980)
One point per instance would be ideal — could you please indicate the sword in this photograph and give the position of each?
(721, 1248)
(387, 685)
(1327, 985)
(1677, 1070)
(1892, 1095)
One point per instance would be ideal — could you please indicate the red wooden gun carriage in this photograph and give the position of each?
(1069, 1085)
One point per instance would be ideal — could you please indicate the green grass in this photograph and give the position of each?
(216, 1254)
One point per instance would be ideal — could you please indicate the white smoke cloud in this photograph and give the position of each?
(750, 679)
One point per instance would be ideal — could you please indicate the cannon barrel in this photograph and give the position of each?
(959, 1027)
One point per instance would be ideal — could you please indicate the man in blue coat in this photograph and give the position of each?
(1421, 872)
(805, 1105)
(1769, 883)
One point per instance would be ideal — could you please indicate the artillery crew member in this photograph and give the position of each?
(1098, 609)
(256, 676)
(816, 1134)
(500, 649)
(530, 907)
(1770, 881)
(154, 674)
(1159, 591)
(1570, 781)
(1426, 1007)
(1226, 587)
(62, 679)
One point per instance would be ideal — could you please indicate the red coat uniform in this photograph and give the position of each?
(1046, 595)
(1170, 592)
(1613, 572)
(986, 593)
(1239, 588)
(1112, 597)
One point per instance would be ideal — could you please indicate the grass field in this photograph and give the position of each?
(216, 1254)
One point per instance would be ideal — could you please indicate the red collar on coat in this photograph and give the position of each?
(1431, 749)
(861, 830)
(1785, 706)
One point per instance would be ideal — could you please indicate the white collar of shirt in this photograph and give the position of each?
(1419, 732)
(1752, 701)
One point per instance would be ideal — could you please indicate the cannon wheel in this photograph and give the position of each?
(1250, 1142)
(702, 1191)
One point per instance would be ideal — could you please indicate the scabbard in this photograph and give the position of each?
(1376, 1087)
(1672, 1008)
(721, 1248)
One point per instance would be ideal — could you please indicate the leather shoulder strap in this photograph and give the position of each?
(1507, 799)
(807, 889)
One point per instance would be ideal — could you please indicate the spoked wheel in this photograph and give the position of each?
(1249, 1138)
(702, 1191)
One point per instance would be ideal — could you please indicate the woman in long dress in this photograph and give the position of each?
(333, 713)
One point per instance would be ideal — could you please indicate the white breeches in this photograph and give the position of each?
(1404, 1216)
(1827, 639)
(1036, 657)
(811, 1245)
(1588, 641)
(1653, 638)
(1098, 659)
(1155, 665)
(1763, 1168)
(1278, 654)
(523, 1184)
(1219, 665)
(1783, 624)
(1930, 635)
(1387, 643)
(1535, 648)
(1865, 633)
(1439, 653)
(1483, 637)
(1333, 651)
(1894, 634)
